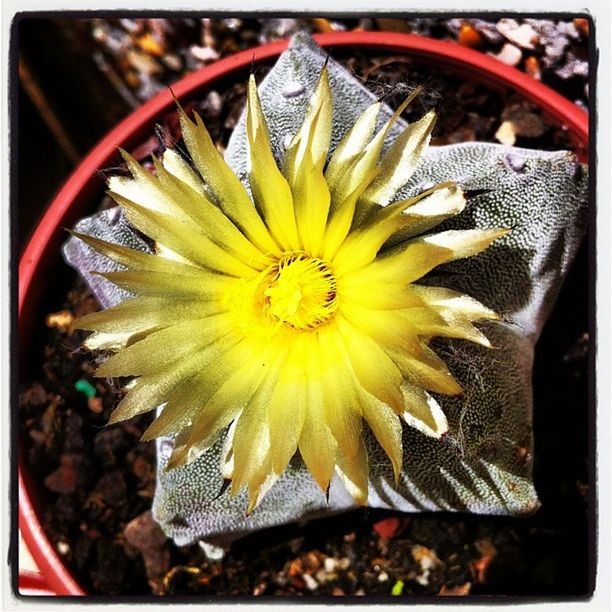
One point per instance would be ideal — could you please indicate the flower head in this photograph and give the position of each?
(293, 316)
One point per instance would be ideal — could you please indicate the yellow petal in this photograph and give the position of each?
(137, 260)
(443, 203)
(353, 471)
(145, 190)
(287, 407)
(303, 167)
(387, 429)
(465, 243)
(342, 408)
(362, 245)
(400, 161)
(458, 311)
(182, 405)
(163, 347)
(260, 484)
(164, 193)
(223, 185)
(228, 390)
(341, 218)
(387, 327)
(270, 188)
(314, 135)
(443, 298)
(423, 368)
(142, 313)
(368, 160)
(373, 368)
(203, 284)
(251, 443)
(311, 201)
(429, 322)
(150, 391)
(423, 412)
(405, 263)
(107, 342)
(380, 296)
(184, 238)
(317, 445)
(178, 167)
(210, 219)
(352, 145)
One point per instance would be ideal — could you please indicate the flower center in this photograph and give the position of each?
(302, 291)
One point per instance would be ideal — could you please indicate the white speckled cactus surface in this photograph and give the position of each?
(483, 464)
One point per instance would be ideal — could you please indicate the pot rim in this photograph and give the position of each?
(75, 191)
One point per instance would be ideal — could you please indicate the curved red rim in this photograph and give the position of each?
(470, 63)
(31, 583)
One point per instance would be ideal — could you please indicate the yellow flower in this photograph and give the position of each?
(295, 320)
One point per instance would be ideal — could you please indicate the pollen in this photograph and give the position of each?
(301, 291)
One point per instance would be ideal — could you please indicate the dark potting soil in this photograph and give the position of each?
(97, 483)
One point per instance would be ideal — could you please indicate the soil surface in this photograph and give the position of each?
(99, 482)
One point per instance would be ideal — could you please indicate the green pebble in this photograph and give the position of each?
(85, 387)
(398, 587)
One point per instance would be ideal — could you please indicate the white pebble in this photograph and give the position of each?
(213, 553)
(329, 564)
(63, 548)
(509, 55)
(203, 54)
(524, 35)
(311, 583)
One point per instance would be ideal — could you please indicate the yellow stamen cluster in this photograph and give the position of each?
(301, 291)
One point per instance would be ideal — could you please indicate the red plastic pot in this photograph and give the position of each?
(72, 202)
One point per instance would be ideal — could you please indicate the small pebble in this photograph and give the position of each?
(143, 63)
(573, 67)
(213, 553)
(61, 320)
(149, 44)
(63, 548)
(132, 26)
(310, 582)
(259, 589)
(64, 479)
(213, 104)
(456, 591)
(203, 54)
(344, 563)
(398, 588)
(469, 36)
(522, 35)
(509, 55)
(233, 24)
(173, 61)
(383, 577)
(506, 134)
(132, 79)
(582, 25)
(532, 67)
(95, 404)
(144, 534)
(524, 122)
(329, 564)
